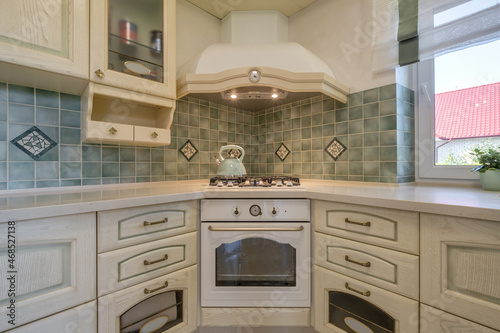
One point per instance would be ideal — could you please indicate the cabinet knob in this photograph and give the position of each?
(274, 211)
(99, 73)
(113, 130)
(154, 135)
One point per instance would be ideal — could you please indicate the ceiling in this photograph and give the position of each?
(220, 8)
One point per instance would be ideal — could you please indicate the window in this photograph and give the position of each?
(459, 103)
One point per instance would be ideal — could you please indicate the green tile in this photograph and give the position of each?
(194, 120)
(305, 121)
(127, 180)
(182, 169)
(355, 126)
(183, 119)
(341, 115)
(47, 183)
(305, 133)
(70, 118)
(21, 95)
(371, 179)
(21, 170)
(341, 128)
(3, 91)
(71, 182)
(317, 168)
(329, 130)
(355, 140)
(110, 154)
(69, 135)
(110, 169)
(3, 111)
(3, 131)
(3, 151)
(143, 169)
(355, 113)
(371, 154)
(142, 154)
(371, 139)
(355, 154)
(182, 107)
(106, 181)
(317, 131)
(317, 107)
(388, 123)
(182, 131)
(3, 171)
(371, 125)
(91, 153)
(388, 169)
(388, 92)
(17, 185)
(47, 98)
(329, 168)
(204, 123)
(47, 170)
(47, 116)
(70, 170)
(127, 170)
(70, 102)
(370, 96)
(317, 156)
(127, 154)
(388, 138)
(388, 107)
(388, 153)
(340, 105)
(194, 109)
(296, 123)
(92, 181)
(305, 109)
(328, 117)
(371, 110)
(91, 170)
(19, 113)
(356, 99)
(328, 104)
(356, 169)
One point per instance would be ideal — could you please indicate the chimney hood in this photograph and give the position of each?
(257, 66)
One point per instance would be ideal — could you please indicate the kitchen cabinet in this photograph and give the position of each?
(45, 44)
(114, 115)
(52, 266)
(460, 267)
(132, 45)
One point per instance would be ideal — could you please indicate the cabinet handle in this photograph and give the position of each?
(146, 262)
(149, 291)
(364, 224)
(99, 73)
(364, 293)
(165, 220)
(113, 130)
(154, 135)
(364, 264)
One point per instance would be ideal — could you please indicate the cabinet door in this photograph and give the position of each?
(122, 50)
(460, 267)
(83, 318)
(48, 35)
(50, 269)
(152, 302)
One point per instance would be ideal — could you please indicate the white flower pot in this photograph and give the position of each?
(490, 180)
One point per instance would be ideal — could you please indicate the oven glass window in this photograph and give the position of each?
(255, 262)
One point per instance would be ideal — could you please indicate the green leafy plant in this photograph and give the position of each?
(489, 159)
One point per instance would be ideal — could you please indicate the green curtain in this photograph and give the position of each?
(408, 32)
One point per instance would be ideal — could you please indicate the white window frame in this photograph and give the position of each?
(425, 143)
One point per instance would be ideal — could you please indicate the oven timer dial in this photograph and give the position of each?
(255, 210)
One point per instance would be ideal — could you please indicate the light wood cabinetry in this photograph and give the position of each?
(394, 229)
(460, 267)
(434, 320)
(53, 267)
(45, 44)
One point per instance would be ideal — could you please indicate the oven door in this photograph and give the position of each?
(255, 264)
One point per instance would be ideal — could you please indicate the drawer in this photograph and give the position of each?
(389, 269)
(125, 267)
(131, 226)
(434, 320)
(151, 136)
(83, 318)
(391, 228)
(146, 302)
(403, 310)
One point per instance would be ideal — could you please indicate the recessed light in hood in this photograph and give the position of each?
(257, 69)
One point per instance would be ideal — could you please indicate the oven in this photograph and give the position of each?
(255, 253)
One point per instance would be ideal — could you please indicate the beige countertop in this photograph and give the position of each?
(466, 202)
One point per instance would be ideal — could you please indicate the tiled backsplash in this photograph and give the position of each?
(376, 127)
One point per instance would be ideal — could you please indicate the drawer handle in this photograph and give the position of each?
(149, 291)
(146, 262)
(364, 224)
(165, 220)
(364, 293)
(255, 229)
(364, 264)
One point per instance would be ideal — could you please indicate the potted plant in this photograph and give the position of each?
(489, 167)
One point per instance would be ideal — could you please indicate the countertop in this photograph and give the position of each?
(456, 201)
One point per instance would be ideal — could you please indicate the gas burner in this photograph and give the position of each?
(261, 181)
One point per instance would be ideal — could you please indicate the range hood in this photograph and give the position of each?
(256, 68)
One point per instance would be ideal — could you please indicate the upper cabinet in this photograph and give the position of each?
(132, 45)
(45, 43)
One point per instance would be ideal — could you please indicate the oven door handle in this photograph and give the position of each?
(255, 229)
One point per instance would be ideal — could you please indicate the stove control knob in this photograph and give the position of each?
(255, 210)
(274, 211)
(236, 211)
(220, 183)
(279, 182)
(289, 183)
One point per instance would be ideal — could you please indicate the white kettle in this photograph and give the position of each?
(231, 166)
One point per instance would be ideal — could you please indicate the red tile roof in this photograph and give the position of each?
(468, 113)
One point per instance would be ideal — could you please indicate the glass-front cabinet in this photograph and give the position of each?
(132, 45)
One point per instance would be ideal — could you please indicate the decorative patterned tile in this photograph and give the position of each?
(335, 148)
(188, 150)
(282, 152)
(34, 142)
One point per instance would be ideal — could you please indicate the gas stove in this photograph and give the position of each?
(261, 182)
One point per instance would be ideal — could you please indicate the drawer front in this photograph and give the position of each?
(113, 306)
(403, 310)
(109, 132)
(151, 136)
(460, 267)
(83, 318)
(125, 267)
(394, 229)
(389, 269)
(434, 320)
(125, 227)
(50, 269)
